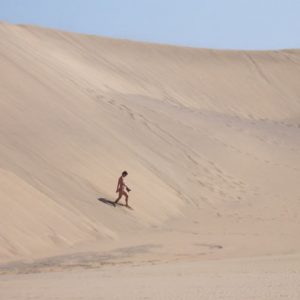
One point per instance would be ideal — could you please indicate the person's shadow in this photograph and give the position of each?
(108, 202)
(112, 203)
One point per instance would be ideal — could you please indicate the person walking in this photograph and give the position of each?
(122, 188)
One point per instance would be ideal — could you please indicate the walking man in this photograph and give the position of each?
(121, 188)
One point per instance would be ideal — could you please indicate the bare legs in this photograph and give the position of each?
(120, 196)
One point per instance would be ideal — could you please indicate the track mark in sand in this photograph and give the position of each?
(214, 180)
(258, 68)
(220, 186)
(209, 246)
(252, 155)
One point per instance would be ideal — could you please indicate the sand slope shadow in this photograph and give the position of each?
(108, 202)
(112, 203)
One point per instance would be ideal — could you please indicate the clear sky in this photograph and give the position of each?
(227, 24)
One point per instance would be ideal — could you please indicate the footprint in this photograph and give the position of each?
(210, 246)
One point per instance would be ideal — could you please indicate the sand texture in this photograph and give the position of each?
(211, 142)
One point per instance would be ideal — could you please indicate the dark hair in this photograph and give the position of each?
(124, 173)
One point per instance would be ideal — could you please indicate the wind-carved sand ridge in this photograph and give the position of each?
(211, 142)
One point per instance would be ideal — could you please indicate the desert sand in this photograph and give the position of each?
(211, 142)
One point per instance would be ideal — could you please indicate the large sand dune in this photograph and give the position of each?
(211, 141)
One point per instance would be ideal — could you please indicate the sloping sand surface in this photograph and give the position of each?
(210, 139)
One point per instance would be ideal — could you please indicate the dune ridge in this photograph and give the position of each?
(210, 140)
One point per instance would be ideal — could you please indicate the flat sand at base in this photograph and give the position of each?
(247, 279)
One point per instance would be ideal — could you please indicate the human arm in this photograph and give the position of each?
(127, 188)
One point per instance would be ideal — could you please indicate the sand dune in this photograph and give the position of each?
(211, 141)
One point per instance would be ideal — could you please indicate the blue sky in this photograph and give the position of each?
(227, 24)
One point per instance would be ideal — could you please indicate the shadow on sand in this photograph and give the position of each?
(112, 203)
(108, 202)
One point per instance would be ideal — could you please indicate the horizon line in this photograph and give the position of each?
(147, 41)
